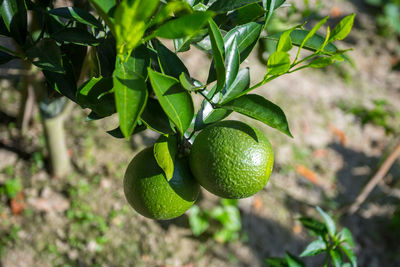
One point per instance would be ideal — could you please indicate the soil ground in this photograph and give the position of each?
(84, 220)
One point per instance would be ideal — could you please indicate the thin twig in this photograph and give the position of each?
(378, 176)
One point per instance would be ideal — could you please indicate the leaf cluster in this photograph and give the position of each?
(336, 245)
(118, 44)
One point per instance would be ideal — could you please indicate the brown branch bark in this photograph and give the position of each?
(376, 178)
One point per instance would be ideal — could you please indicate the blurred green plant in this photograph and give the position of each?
(9, 236)
(335, 245)
(11, 188)
(388, 19)
(381, 114)
(223, 221)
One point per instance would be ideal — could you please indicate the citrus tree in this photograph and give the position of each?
(119, 46)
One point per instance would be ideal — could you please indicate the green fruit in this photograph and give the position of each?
(231, 159)
(149, 193)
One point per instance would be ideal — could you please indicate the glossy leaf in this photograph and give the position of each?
(141, 60)
(229, 5)
(241, 83)
(336, 257)
(168, 10)
(105, 55)
(321, 62)
(293, 261)
(186, 25)
(316, 227)
(312, 44)
(232, 62)
(175, 101)
(246, 14)
(117, 133)
(46, 55)
(329, 223)
(155, 118)
(130, 95)
(278, 63)
(285, 42)
(343, 28)
(346, 236)
(76, 14)
(14, 17)
(131, 20)
(94, 94)
(259, 108)
(105, 9)
(312, 32)
(270, 6)
(218, 50)
(208, 115)
(170, 63)
(314, 248)
(190, 84)
(349, 253)
(246, 36)
(64, 83)
(165, 150)
(75, 36)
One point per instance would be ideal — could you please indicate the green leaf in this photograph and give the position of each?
(329, 223)
(312, 32)
(349, 253)
(198, 220)
(346, 236)
(46, 55)
(105, 9)
(276, 262)
(246, 14)
(155, 118)
(207, 114)
(336, 257)
(189, 83)
(313, 225)
(246, 36)
(130, 95)
(141, 60)
(64, 83)
(271, 9)
(285, 42)
(312, 44)
(131, 20)
(314, 248)
(294, 261)
(94, 94)
(186, 25)
(278, 63)
(168, 10)
(217, 44)
(343, 28)
(241, 83)
(76, 14)
(229, 5)
(232, 62)
(170, 63)
(321, 62)
(76, 36)
(14, 17)
(165, 150)
(259, 108)
(176, 101)
(117, 133)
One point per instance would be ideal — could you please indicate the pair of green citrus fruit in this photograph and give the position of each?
(229, 159)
